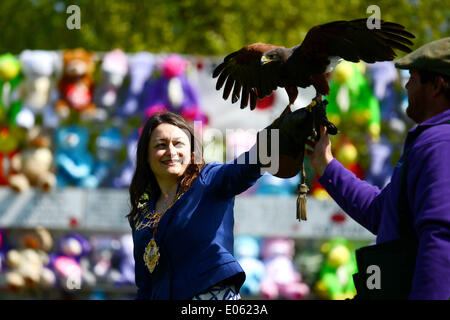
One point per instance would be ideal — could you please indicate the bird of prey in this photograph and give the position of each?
(256, 70)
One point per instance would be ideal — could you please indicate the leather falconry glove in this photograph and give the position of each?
(294, 128)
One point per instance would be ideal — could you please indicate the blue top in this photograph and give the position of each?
(428, 194)
(195, 235)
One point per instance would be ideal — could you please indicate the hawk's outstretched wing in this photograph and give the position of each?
(245, 76)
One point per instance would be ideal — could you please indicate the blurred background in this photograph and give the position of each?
(79, 78)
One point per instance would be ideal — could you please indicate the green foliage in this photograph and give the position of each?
(202, 27)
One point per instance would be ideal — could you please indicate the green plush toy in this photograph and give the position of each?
(351, 102)
(10, 79)
(336, 275)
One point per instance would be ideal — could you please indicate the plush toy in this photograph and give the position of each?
(238, 142)
(104, 267)
(36, 164)
(173, 92)
(123, 261)
(336, 275)
(10, 145)
(76, 85)
(352, 105)
(384, 76)
(141, 66)
(10, 81)
(38, 90)
(269, 184)
(123, 180)
(108, 146)
(246, 251)
(381, 168)
(2, 256)
(74, 163)
(108, 93)
(28, 265)
(281, 278)
(72, 248)
(213, 144)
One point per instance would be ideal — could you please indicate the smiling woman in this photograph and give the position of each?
(182, 215)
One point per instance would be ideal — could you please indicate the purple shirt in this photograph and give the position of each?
(428, 192)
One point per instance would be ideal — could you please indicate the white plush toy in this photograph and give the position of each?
(38, 91)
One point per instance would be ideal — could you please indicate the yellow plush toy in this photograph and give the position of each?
(335, 280)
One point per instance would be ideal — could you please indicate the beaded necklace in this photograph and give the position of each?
(151, 220)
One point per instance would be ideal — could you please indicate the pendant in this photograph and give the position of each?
(151, 255)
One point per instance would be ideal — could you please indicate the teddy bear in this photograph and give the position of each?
(27, 267)
(38, 90)
(335, 278)
(74, 162)
(281, 278)
(76, 85)
(109, 93)
(35, 164)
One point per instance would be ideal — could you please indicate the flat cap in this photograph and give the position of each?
(433, 56)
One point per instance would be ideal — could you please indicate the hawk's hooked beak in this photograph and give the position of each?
(265, 60)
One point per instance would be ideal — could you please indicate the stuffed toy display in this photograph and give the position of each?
(36, 164)
(173, 92)
(10, 82)
(74, 162)
(76, 85)
(123, 180)
(281, 279)
(247, 250)
(141, 66)
(108, 146)
(336, 275)
(38, 90)
(107, 96)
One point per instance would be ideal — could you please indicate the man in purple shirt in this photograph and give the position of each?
(427, 174)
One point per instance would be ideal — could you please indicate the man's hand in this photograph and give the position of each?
(321, 154)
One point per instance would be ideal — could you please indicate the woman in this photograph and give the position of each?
(182, 215)
(182, 211)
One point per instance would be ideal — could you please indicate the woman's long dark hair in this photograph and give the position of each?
(143, 175)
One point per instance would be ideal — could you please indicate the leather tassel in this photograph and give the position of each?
(301, 201)
(301, 198)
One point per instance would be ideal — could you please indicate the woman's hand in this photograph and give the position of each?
(320, 154)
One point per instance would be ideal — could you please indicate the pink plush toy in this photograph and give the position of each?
(173, 92)
(281, 278)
